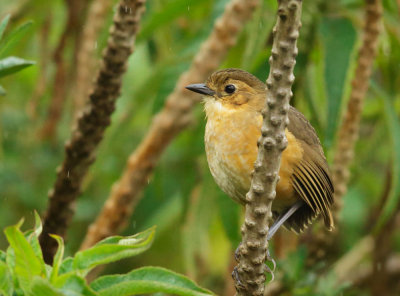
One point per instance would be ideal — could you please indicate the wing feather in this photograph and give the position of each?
(311, 180)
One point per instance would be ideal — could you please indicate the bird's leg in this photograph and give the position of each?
(237, 252)
(283, 217)
(278, 223)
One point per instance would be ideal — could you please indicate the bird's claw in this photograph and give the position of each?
(270, 259)
(267, 268)
(235, 276)
(237, 252)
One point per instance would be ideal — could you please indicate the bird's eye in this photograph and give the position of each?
(230, 88)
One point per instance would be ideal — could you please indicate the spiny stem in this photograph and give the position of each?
(253, 249)
(80, 149)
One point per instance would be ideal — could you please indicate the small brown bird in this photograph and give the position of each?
(233, 102)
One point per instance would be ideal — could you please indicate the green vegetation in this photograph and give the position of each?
(23, 271)
(198, 227)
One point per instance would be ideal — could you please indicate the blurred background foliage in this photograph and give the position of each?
(197, 225)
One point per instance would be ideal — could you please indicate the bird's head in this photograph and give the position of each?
(232, 88)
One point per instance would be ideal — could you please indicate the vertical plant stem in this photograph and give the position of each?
(61, 79)
(250, 272)
(173, 118)
(87, 51)
(80, 149)
(348, 131)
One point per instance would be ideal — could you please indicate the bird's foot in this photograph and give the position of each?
(235, 276)
(272, 260)
(267, 268)
(237, 252)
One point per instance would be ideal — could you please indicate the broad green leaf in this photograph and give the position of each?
(74, 285)
(27, 265)
(10, 261)
(67, 265)
(147, 280)
(57, 258)
(3, 25)
(112, 249)
(42, 287)
(201, 209)
(13, 37)
(230, 216)
(6, 287)
(338, 37)
(11, 65)
(393, 124)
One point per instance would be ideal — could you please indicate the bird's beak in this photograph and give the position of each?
(201, 88)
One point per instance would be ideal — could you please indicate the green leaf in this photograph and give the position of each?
(338, 37)
(10, 261)
(393, 124)
(3, 25)
(13, 37)
(11, 65)
(27, 265)
(147, 280)
(42, 287)
(112, 249)
(230, 216)
(57, 258)
(67, 265)
(74, 285)
(3, 256)
(6, 287)
(33, 237)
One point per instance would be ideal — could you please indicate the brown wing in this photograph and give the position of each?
(311, 178)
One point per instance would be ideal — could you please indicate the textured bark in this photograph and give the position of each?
(250, 272)
(80, 149)
(173, 118)
(348, 132)
(86, 60)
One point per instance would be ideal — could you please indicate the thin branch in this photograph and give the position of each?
(60, 84)
(85, 61)
(250, 272)
(174, 117)
(80, 149)
(348, 132)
